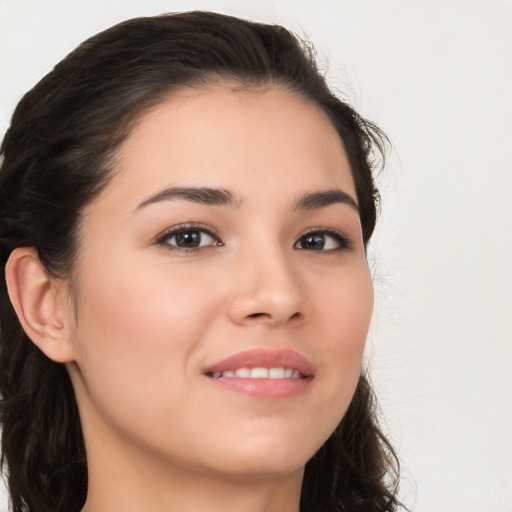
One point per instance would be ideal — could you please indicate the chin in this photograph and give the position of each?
(266, 455)
(264, 467)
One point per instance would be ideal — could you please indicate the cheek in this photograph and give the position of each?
(344, 308)
(344, 314)
(141, 306)
(137, 332)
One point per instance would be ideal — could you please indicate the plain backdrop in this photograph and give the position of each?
(437, 77)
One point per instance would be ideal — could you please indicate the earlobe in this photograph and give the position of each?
(40, 310)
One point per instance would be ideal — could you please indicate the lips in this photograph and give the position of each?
(259, 372)
(263, 358)
(263, 373)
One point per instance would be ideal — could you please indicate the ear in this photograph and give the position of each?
(40, 305)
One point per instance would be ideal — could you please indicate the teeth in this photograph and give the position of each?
(243, 372)
(276, 373)
(260, 373)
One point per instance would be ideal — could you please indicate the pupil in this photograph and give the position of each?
(313, 242)
(188, 239)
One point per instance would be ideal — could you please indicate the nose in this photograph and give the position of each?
(267, 291)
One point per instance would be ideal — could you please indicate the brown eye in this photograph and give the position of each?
(188, 238)
(322, 241)
(314, 242)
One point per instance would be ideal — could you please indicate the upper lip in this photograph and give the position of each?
(264, 358)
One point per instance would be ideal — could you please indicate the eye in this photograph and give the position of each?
(187, 237)
(322, 240)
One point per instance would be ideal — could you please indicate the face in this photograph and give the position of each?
(223, 292)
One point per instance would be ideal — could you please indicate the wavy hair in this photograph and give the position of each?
(58, 155)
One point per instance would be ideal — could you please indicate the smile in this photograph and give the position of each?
(259, 373)
(262, 373)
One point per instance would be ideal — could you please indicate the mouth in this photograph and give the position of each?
(263, 373)
(259, 373)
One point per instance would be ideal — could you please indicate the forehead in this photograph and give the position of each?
(249, 140)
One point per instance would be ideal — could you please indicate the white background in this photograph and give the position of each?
(437, 76)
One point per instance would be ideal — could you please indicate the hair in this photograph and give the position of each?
(58, 155)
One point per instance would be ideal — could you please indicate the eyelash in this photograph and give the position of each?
(342, 241)
(163, 239)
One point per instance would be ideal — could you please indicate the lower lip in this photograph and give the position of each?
(264, 388)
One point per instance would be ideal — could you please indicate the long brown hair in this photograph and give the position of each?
(57, 156)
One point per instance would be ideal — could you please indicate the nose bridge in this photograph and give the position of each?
(268, 288)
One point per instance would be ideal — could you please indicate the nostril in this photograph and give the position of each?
(295, 316)
(257, 315)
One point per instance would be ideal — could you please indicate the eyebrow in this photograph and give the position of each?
(321, 199)
(201, 195)
(224, 197)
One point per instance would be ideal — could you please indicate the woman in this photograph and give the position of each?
(185, 208)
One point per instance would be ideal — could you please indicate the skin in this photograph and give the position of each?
(160, 435)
